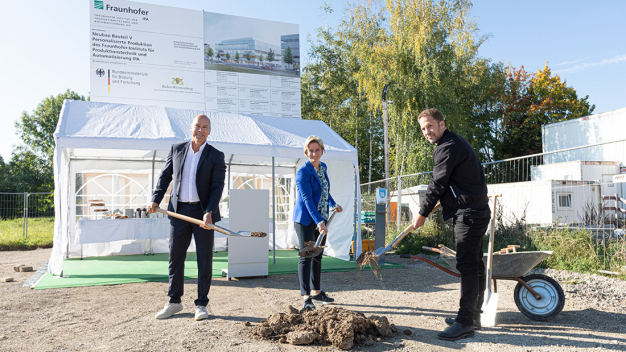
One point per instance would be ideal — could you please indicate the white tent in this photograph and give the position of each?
(126, 143)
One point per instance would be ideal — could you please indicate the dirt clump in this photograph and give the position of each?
(258, 234)
(339, 327)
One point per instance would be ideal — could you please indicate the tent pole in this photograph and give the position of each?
(273, 211)
(152, 178)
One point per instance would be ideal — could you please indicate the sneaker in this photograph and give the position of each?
(201, 313)
(322, 298)
(168, 310)
(307, 304)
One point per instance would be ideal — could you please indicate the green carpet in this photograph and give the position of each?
(113, 270)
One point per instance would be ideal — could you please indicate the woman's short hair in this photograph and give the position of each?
(310, 140)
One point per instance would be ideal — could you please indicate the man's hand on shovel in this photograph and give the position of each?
(208, 220)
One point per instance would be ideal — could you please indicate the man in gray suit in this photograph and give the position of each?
(198, 171)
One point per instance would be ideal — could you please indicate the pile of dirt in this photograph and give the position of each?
(337, 326)
(258, 234)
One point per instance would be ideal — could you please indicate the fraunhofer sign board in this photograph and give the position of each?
(147, 54)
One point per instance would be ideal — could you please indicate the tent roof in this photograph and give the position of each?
(94, 130)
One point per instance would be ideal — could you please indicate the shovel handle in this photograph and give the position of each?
(321, 236)
(406, 231)
(193, 220)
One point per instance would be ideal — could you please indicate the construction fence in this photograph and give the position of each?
(571, 188)
(23, 212)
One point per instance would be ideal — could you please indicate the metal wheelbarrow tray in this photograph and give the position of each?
(537, 296)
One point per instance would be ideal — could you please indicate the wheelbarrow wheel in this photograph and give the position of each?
(551, 302)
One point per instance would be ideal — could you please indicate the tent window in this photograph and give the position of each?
(565, 201)
(116, 191)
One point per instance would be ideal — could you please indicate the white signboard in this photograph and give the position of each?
(148, 54)
(619, 178)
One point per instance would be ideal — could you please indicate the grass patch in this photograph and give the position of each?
(40, 233)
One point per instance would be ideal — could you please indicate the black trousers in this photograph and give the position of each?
(180, 239)
(309, 269)
(469, 231)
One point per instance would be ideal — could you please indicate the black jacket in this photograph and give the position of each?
(209, 178)
(458, 180)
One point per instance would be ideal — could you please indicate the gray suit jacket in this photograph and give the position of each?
(209, 178)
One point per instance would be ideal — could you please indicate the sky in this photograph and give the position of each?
(45, 44)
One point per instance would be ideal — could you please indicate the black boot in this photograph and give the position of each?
(456, 331)
(477, 325)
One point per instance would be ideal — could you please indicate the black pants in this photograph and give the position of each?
(180, 239)
(469, 230)
(309, 269)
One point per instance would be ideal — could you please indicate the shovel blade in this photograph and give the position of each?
(490, 307)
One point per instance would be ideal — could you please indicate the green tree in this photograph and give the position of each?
(331, 94)
(210, 53)
(531, 101)
(249, 56)
(36, 129)
(271, 55)
(28, 172)
(261, 59)
(237, 56)
(228, 56)
(288, 56)
(36, 132)
(5, 183)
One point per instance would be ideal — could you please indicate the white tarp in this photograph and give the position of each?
(113, 137)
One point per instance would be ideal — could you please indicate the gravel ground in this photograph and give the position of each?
(415, 299)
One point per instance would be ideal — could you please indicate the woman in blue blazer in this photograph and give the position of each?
(310, 216)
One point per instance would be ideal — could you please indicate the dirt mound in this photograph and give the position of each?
(337, 326)
(258, 234)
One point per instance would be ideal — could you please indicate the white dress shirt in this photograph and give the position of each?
(188, 190)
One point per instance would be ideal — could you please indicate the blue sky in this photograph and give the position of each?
(45, 44)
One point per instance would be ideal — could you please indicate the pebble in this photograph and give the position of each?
(7, 279)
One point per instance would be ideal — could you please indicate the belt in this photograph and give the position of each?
(189, 203)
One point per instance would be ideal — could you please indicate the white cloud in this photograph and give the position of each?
(584, 66)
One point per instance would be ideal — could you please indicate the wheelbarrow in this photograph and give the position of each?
(537, 296)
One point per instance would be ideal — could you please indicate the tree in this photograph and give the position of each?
(29, 172)
(36, 132)
(270, 55)
(211, 53)
(288, 56)
(249, 56)
(533, 100)
(228, 56)
(261, 59)
(237, 56)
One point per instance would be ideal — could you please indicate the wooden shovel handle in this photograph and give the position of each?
(406, 231)
(192, 220)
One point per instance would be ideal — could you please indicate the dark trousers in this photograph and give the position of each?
(469, 230)
(180, 239)
(309, 269)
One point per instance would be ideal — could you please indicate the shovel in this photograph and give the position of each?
(211, 226)
(382, 250)
(313, 251)
(490, 304)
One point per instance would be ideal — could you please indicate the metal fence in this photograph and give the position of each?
(570, 188)
(18, 209)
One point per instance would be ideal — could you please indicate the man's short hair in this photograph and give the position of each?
(311, 139)
(432, 112)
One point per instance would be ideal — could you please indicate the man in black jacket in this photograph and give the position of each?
(197, 170)
(458, 182)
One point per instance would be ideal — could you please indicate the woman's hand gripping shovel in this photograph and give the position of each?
(490, 304)
(211, 226)
(313, 249)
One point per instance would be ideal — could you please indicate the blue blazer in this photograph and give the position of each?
(309, 188)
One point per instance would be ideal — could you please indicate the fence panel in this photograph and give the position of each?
(24, 213)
